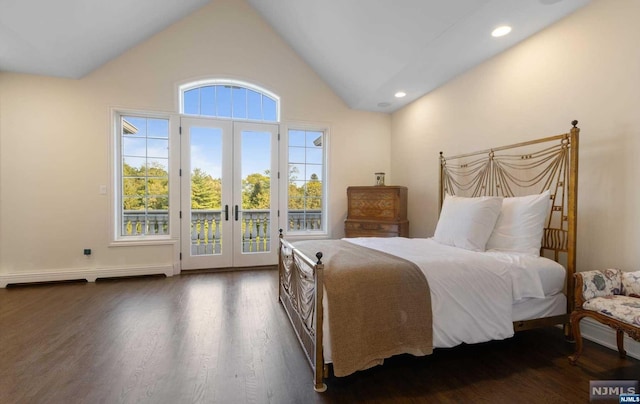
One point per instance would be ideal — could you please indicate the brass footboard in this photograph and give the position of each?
(300, 290)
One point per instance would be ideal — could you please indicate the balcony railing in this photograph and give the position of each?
(206, 229)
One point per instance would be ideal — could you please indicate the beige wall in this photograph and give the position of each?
(585, 67)
(55, 133)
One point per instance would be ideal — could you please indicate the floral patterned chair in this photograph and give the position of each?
(611, 297)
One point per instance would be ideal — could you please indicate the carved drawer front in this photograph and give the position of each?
(378, 211)
(380, 206)
(383, 227)
(377, 203)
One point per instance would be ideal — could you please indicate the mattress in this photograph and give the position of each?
(537, 285)
(550, 274)
(548, 306)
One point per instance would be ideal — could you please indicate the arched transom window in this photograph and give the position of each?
(229, 99)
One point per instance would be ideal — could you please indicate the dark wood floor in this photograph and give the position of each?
(222, 337)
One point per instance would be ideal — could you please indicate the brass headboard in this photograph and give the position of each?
(524, 169)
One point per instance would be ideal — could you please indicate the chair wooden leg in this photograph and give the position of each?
(620, 341)
(577, 336)
(568, 331)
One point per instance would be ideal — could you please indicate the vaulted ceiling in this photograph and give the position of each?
(365, 50)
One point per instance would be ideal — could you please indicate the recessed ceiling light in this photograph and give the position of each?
(400, 94)
(501, 31)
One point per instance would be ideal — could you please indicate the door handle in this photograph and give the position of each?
(236, 209)
(226, 212)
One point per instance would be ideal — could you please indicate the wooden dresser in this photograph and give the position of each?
(379, 211)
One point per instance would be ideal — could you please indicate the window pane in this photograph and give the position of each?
(158, 128)
(306, 188)
(254, 101)
(134, 166)
(133, 203)
(313, 139)
(133, 186)
(191, 102)
(314, 203)
(314, 172)
(314, 156)
(144, 176)
(159, 186)
(296, 154)
(229, 101)
(208, 101)
(134, 126)
(158, 148)
(223, 101)
(296, 203)
(239, 97)
(269, 109)
(157, 222)
(296, 138)
(296, 172)
(157, 167)
(157, 202)
(300, 186)
(134, 146)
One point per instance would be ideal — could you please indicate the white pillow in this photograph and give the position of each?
(467, 222)
(520, 225)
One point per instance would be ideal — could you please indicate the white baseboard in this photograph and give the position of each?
(606, 336)
(90, 275)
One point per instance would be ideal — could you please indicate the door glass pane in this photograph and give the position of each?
(206, 188)
(256, 191)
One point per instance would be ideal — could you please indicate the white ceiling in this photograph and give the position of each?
(365, 50)
(71, 38)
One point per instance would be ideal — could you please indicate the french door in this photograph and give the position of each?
(228, 193)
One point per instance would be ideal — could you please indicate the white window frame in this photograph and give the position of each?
(284, 181)
(118, 239)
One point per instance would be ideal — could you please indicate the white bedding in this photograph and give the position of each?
(472, 293)
(549, 306)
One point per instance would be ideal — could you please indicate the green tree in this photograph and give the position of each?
(313, 193)
(157, 191)
(296, 193)
(256, 191)
(205, 190)
(145, 187)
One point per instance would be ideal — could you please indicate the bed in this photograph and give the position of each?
(501, 260)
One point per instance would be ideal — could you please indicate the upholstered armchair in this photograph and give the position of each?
(611, 297)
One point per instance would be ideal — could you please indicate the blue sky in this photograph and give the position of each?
(206, 152)
(155, 147)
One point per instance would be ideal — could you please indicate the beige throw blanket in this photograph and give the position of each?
(379, 305)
